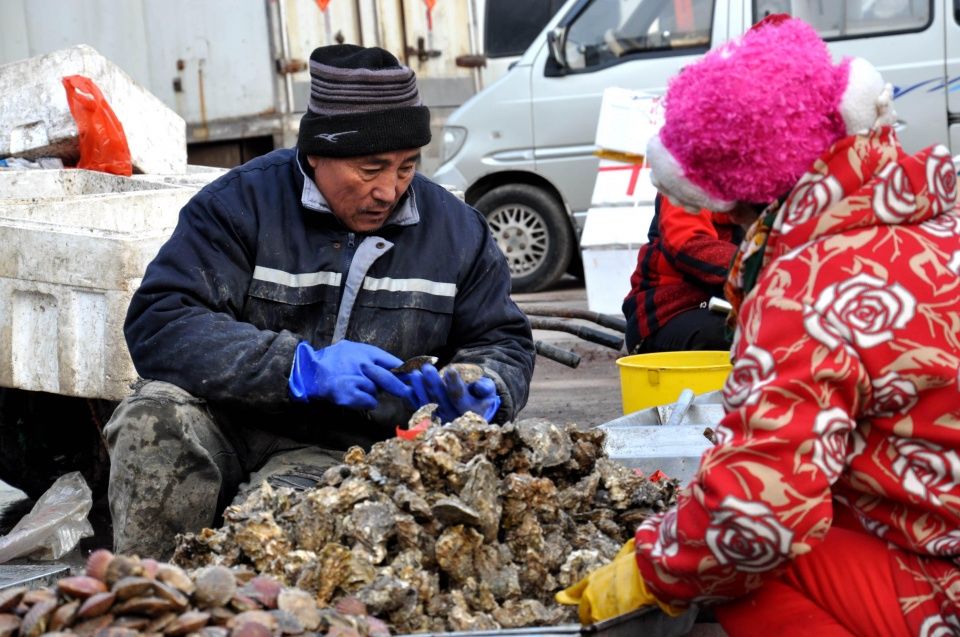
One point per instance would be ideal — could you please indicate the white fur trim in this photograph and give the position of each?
(668, 177)
(867, 101)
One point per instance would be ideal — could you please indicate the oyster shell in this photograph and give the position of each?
(468, 526)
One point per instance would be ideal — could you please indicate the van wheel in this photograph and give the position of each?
(532, 230)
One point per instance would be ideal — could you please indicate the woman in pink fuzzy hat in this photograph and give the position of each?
(830, 504)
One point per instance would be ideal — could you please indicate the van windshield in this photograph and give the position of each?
(609, 29)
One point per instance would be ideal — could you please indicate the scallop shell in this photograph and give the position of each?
(10, 598)
(188, 622)
(96, 605)
(97, 564)
(80, 586)
(215, 586)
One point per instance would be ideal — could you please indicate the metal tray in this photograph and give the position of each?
(31, 575)
(545, 631)
(646, 622)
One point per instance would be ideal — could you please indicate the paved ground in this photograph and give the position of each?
(587, 395)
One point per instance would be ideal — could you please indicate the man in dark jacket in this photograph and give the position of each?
(268, 325)
(678, 271)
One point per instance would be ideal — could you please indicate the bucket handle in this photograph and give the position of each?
(653, 376)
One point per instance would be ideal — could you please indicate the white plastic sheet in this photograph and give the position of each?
(55, 524)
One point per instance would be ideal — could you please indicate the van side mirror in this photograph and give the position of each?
(557, 42)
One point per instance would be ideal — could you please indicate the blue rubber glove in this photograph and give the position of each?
(346, 373)
(452, 396)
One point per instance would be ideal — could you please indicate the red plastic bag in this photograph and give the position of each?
(103, 144)
(416, 430)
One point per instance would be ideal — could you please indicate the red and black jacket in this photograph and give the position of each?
(684, 264)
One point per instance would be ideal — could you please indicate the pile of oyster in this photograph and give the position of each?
(123, 596)
(470, 526)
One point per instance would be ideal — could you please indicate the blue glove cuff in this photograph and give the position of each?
(492, 409)
(301, 372)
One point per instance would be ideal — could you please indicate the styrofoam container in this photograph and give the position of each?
(35, 119)
(609, 245)
(195, 176)
(622, 184)
(628, 120)
(73, 248)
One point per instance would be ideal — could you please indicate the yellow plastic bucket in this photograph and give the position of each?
(648, 380)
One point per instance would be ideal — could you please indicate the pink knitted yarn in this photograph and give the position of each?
(747, 120)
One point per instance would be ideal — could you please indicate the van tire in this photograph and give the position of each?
(532, 230)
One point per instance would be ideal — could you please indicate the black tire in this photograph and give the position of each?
(532, 230)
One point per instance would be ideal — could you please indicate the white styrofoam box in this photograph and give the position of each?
(622, 183)
(195, 176)
(35, 119)
(628, 119)
(609, 244)
(73, 248)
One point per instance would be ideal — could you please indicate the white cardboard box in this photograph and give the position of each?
(609, 244)
(35, 119)
(622, 184)
(628, 119)
(73, 248)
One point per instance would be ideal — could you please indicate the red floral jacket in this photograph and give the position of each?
(844, 391)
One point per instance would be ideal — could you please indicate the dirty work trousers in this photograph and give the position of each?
(174, 467)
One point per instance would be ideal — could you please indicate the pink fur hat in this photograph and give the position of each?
(748, 119)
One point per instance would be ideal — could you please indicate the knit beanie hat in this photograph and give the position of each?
(745, 122)
(362, 102)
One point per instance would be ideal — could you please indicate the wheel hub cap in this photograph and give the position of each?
(521, 235)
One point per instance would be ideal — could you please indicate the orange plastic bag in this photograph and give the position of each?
(103, 144)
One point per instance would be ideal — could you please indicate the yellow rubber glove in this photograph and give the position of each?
(613, 589)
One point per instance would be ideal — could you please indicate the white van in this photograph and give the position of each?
(522, 149)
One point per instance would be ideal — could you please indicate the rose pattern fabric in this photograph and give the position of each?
(954, 263)
(833, 428)
(894, 201)
(858, 444)
(820, 330)
(941, 179)
(865, 309)
(750, 373)
(892, 394)
(844, 392)
(925, 469)
(748, 536)
(814, 192)
(938, 626)
(947, 544)
(878, 529)
(667, 543)
(945, 225)
(722, 434)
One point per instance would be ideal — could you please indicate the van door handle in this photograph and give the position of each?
(471, 61)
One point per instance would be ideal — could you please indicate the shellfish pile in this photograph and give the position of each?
(123, 596)
(470, 526)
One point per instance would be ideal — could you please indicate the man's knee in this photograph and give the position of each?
(157, 411)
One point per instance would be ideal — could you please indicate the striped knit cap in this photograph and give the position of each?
(362, 102)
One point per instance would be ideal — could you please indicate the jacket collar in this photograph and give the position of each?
(405, 214)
